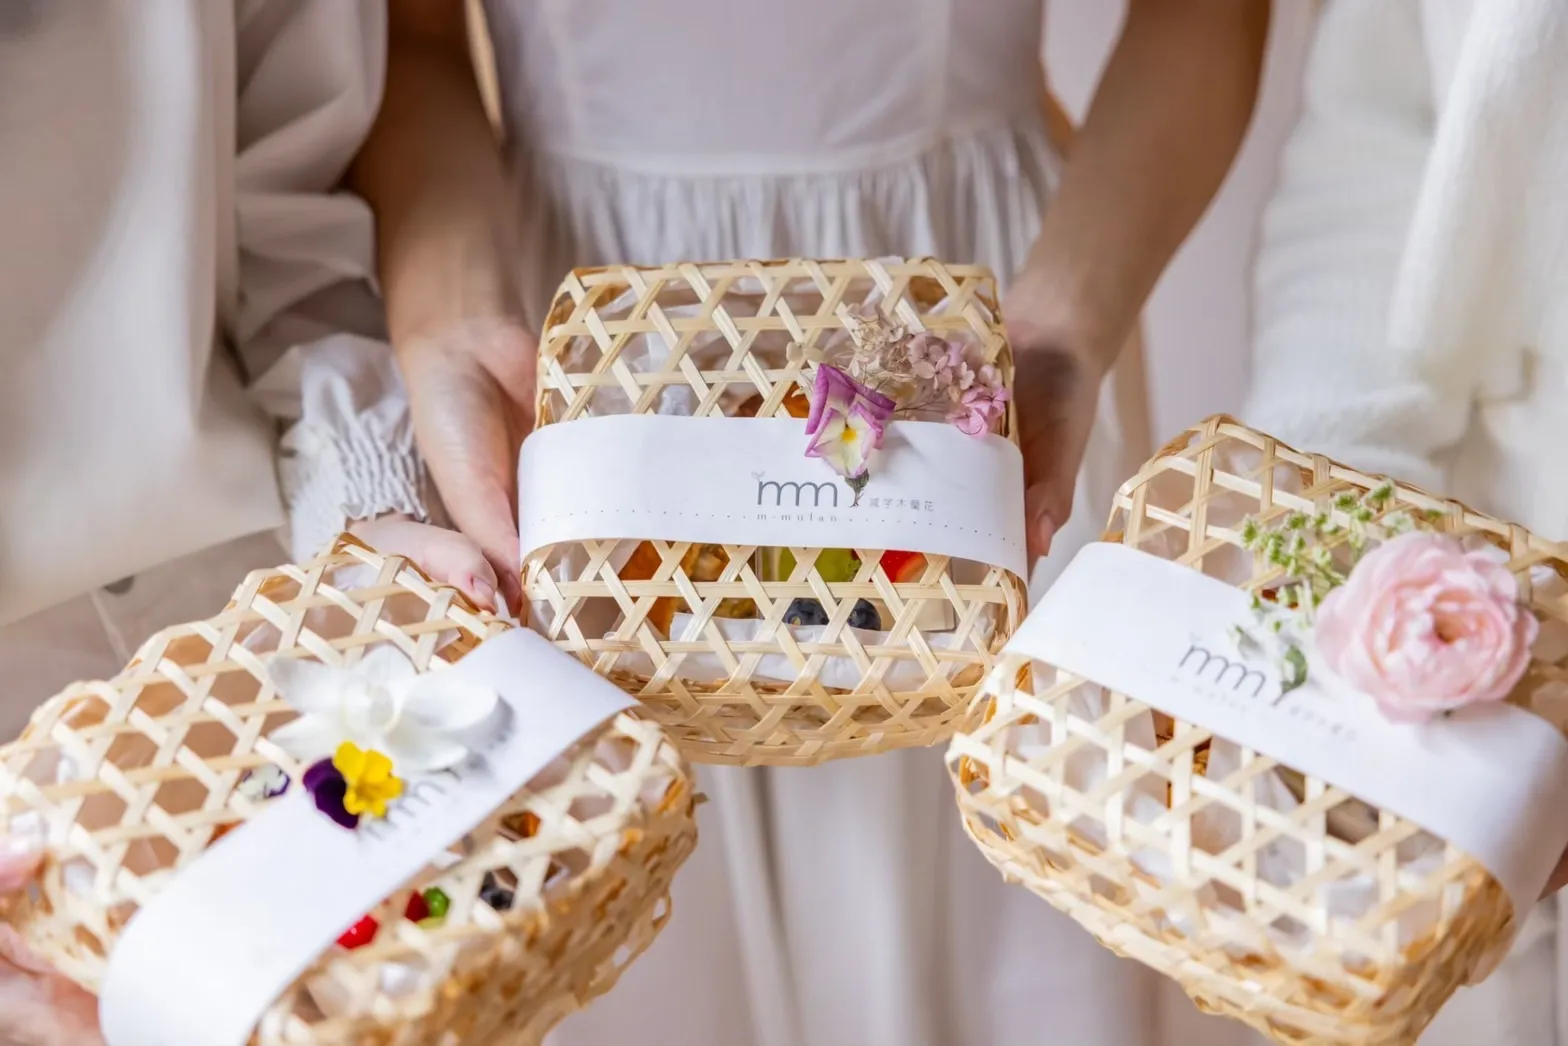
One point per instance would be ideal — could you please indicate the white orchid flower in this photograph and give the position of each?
(423, 723)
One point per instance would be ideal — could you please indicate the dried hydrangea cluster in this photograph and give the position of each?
(886, 372)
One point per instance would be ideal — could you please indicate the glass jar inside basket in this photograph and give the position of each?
(493, 873)
(1292, 735)
(779, 502)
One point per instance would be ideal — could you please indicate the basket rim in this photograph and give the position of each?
(1326, 467)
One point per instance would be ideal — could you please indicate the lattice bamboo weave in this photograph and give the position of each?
(725, 340)
(133, 778)
(1226, 892)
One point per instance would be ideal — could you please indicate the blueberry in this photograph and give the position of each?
(865, 616)
(495, 895)
(805, 612)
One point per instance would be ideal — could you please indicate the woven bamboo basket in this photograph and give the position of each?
(1222, 883)
(132, 779)
(726, 340)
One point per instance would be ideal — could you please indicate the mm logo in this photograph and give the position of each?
(796, 492)
(1217, 668)
(420, 796)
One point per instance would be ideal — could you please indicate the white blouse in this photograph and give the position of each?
(172, 229)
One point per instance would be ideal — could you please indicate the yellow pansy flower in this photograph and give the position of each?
(368, 775)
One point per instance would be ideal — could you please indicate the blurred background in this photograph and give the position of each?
(1197, 322)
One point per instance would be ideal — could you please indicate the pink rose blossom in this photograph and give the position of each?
(1423, 627)
(846, 421)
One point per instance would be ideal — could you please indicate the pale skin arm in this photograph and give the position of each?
(1166, 122)
(432, 171)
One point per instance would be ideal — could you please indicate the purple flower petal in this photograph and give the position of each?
(832, 392)
(836, 400)
(318, 773)
(327, 786)
(881, 407)
(875, 419)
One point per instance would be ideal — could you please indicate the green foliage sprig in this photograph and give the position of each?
(1303, 546)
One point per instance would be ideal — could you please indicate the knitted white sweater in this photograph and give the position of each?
(1412, 281)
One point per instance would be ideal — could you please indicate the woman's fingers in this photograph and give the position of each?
(1056, 406)
(37, 1006)
(19, 861)
(469, 438)
(16, 956)
(471, 389)
(446, 555)
(1559, 878)
(456, 559)
(46, 1011)
(1042, 509)
(483, 511)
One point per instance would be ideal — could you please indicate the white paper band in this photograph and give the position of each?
(747, 481)
(200, 964)
(1490, 780)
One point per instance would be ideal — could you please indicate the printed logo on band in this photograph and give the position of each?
(1489, 780)
(201, 963)
(747, 481)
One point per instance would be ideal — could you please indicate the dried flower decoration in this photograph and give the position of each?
(889, 372)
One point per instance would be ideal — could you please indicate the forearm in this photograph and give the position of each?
(432, 170)
(1164, 127)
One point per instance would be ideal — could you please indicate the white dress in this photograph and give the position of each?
(839, 905)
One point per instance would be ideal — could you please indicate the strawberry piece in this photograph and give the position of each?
(360, 934)
(903, 567)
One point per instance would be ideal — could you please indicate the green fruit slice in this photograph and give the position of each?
(834, 564)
